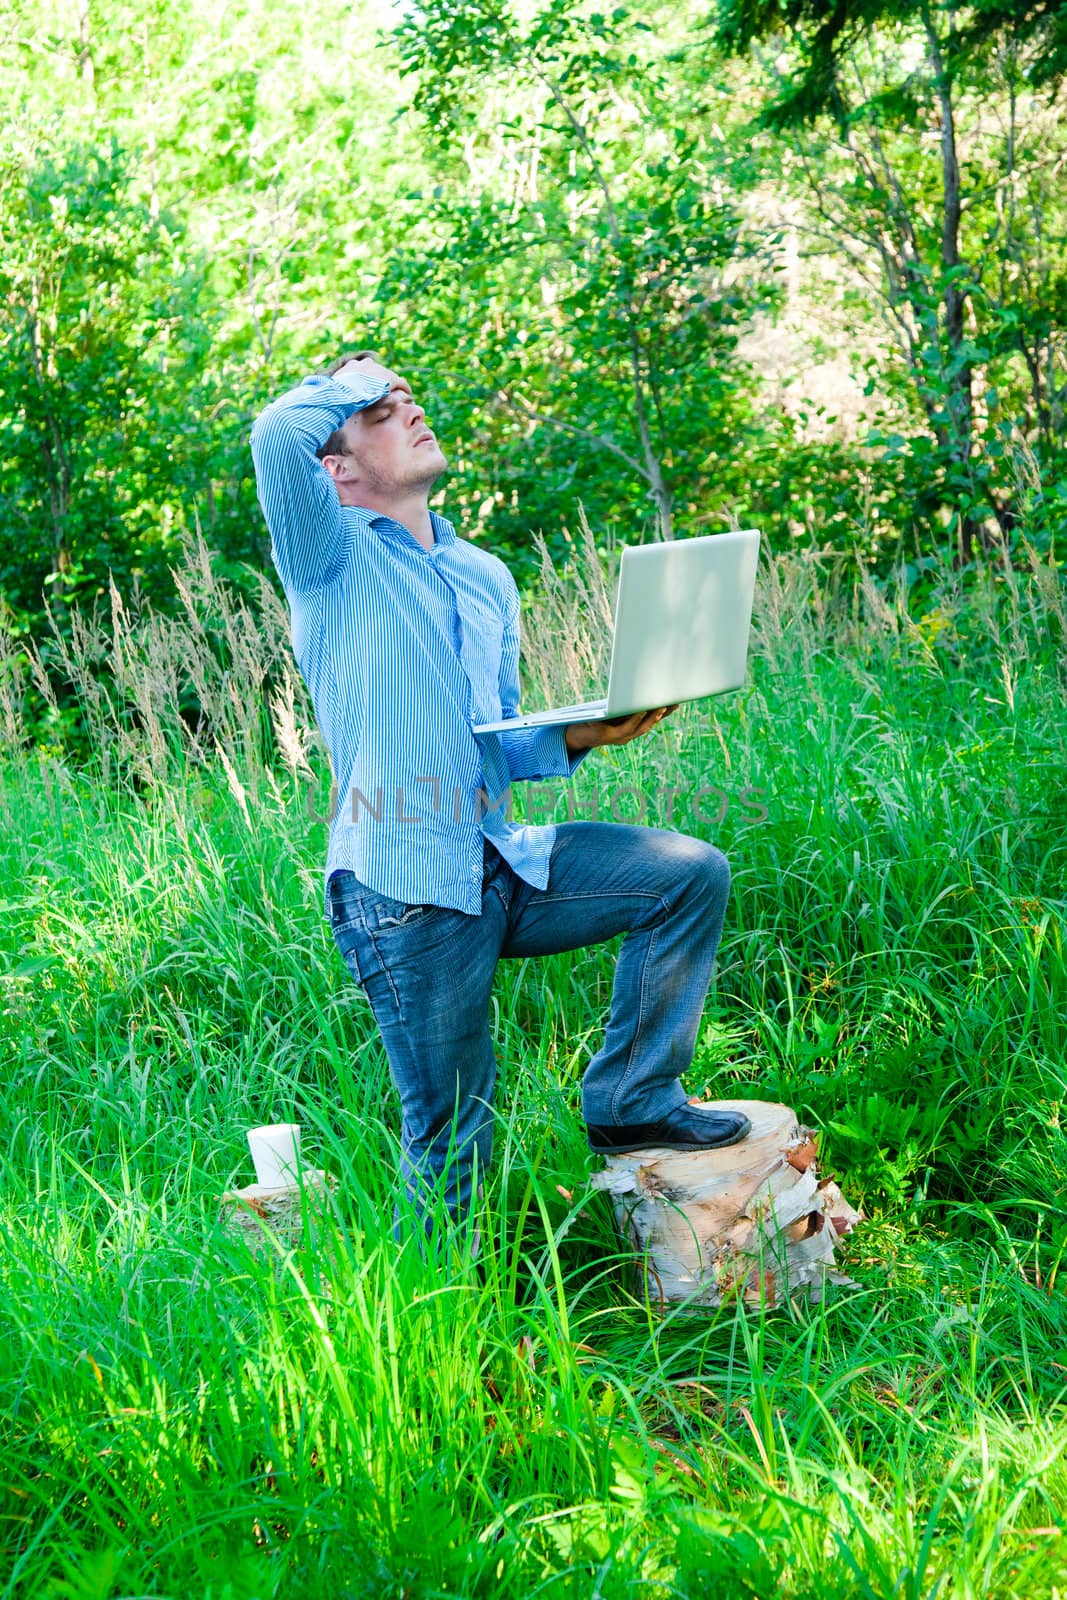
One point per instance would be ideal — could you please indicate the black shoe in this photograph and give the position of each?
(687, 1128)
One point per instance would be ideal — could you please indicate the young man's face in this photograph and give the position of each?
(391, 448)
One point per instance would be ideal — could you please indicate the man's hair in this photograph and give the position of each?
(337, 444)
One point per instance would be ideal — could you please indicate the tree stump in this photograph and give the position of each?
(291, 1212)
(753, 1220)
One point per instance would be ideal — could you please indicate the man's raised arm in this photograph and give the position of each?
(296, 492)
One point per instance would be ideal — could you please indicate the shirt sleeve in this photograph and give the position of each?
(298, 496)
(531, 753)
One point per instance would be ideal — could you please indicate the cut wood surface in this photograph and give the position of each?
(754, 1219)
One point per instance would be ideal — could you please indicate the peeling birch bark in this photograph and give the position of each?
(291, 1213)
(753, 1220)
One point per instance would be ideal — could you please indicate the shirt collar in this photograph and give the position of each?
(443, 531)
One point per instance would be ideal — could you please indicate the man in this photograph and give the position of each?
(407, 636)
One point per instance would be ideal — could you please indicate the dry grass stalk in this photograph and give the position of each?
(13, 673)
(216, 684)
(567, 623)
(162, 693)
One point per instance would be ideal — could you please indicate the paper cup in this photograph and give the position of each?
(276, 1153)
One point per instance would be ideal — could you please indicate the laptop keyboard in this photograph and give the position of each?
(590, 707)
(587, 711)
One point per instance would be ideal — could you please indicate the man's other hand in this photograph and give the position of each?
(620, 730)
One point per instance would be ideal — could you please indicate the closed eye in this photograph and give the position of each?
(388, 408)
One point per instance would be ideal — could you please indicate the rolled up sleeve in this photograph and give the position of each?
(296, 492)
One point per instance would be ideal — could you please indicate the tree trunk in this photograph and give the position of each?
(753, 1221)
(661, 495)
(54, 452)
(960, 374)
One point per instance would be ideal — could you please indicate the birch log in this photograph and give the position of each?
(754, 1219)
(290, 1212)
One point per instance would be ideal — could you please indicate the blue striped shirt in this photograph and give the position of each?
(403, 650)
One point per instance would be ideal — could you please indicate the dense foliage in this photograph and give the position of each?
(798, 267)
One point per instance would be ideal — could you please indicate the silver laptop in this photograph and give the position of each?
(682, 617)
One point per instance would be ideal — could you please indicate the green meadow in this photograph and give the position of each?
(184, 1417)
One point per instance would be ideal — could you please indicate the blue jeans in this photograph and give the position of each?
(428, 972)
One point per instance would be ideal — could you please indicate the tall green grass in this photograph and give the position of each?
(184, 1418)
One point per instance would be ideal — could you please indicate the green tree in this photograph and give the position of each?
(102, 340)
(967, 249)
(576, 254)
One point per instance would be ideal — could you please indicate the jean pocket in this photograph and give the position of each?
(384, 913)
(348, 899)
(355, 946)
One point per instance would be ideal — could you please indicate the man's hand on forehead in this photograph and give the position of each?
(367, 367)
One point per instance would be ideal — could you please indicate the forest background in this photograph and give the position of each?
(769, 263)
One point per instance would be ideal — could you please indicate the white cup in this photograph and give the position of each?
(276, 1153)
